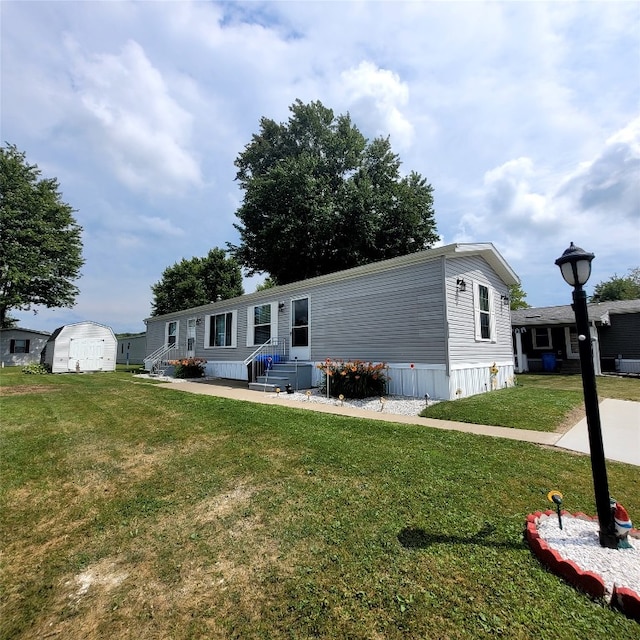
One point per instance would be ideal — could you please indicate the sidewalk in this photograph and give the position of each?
(620, 420)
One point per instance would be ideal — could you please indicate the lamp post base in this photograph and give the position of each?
(608, 540)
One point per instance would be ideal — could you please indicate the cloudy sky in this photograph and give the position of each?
(524, 116)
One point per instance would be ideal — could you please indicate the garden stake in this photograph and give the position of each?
(556, 498)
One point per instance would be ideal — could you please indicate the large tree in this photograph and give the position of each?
(198, 281)
(40, 243)
(617, 288)
(319, 197)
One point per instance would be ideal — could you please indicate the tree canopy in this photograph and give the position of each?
(616, 288)
(517, 297)
(198, 281)
(319, 197)
(40, 244)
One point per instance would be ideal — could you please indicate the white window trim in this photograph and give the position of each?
(534, 341)
(571, 355)
(166, 332)
(250, 324)
(492, 312)
(234, 330)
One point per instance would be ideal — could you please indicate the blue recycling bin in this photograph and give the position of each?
(549, 362)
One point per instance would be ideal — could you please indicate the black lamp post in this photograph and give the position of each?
(575, 265)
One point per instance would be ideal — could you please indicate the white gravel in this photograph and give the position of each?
(398, 405)
(578, 541)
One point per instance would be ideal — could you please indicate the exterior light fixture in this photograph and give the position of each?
(575, 266)
(505, 300)
(461, 285)
(280, 306)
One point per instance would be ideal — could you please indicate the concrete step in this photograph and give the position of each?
(279, 381)
(266, 387)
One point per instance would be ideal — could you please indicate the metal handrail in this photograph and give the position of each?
(262, 359)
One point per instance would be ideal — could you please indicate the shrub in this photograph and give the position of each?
(353, 379)
(188, 367)
(35, 368)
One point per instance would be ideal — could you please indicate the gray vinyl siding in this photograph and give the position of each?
(463, 345)
(622, 337)
(394, 316)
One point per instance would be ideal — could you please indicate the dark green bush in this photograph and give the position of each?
(35, 368)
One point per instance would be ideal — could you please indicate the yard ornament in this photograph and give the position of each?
(622, 523)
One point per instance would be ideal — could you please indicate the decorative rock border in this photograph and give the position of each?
(624, 599)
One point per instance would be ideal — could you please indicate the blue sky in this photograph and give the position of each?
(523, 116)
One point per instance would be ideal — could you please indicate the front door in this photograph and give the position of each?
(191, 337)
(300, 344)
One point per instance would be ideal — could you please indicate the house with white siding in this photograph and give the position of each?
(19, 347)
(439, 319)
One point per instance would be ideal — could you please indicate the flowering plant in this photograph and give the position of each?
(188, 367)
(353, 379)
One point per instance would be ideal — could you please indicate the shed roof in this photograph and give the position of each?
(599, 312)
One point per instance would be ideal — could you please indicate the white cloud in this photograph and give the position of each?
(377, 97)
(141, 126)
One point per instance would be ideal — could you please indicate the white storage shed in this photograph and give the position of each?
(80, 347)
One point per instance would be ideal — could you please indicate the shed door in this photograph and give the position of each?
(300, 335)
(87, 354)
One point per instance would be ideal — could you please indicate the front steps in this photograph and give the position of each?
(284, 373)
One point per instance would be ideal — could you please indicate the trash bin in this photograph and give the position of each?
(548, 361)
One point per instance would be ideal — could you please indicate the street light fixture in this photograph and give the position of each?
(575, 265)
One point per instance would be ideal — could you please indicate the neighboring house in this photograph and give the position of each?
(21, 346)
(545, 338)
(80, 347)
(132, 349)
(438, 318)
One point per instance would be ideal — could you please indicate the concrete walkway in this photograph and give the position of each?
(620, 423)
(620, 420)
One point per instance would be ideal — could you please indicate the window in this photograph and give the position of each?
(262, 323)
(542, 338)
(19, 346)
(221, 330)
(484, 315)
(172, 333)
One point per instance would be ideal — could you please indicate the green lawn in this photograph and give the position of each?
(538, 402)
(131, 510)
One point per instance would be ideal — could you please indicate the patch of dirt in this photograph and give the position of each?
(571, 419)
(23, 390)
(103, 574)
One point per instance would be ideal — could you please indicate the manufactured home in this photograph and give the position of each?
(19, 347)
(439, 319)
(132, 349)
(81, 347)
(546, 339)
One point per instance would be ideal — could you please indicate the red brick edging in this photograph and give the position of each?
(622, 598)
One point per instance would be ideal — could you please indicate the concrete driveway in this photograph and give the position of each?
(620, 420)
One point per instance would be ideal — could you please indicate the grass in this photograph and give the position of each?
(132, 510)
(538, 402)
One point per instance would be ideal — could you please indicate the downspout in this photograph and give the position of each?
(595, 345)
(445, 328)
